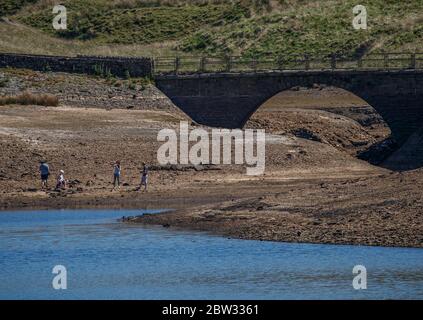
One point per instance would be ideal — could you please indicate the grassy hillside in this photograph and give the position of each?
(12, 6)
(246, 27)
(92, 20)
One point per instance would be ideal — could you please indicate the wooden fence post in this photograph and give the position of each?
(307, 61)
(177, 64)
(385, 60)
(413, 61)
(360, 63)
(254, 64)
(202, 67)
(279, 63)
(333, 61)
(228, 60)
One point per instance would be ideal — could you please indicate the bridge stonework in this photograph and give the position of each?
(229, 100)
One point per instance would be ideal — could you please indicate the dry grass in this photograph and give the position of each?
(28, 98)
(19, 39)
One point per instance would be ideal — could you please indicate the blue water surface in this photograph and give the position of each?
(106, 259)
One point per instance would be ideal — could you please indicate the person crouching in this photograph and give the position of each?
(61, 182)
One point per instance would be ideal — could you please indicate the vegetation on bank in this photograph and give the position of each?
(240, 27)
(12, 6)
(28, 98)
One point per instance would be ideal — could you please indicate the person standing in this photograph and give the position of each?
(144, 177)
(116, 174)
(45, 172)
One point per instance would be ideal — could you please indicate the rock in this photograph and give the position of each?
(175, 167)
(35, 154)
(89, 183)
(304, 133)
(74, 182)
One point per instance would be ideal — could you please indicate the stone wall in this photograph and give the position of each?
(118, 66)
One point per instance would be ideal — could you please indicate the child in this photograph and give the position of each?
(144, 176)
(61, 182)
(116, 174)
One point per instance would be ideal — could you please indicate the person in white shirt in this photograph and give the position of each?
(61, 182)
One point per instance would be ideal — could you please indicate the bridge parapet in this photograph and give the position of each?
(228, 64)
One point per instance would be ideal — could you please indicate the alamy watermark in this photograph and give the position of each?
(360, 19)
(60, 20)
(216, 148)
(360, 280)
(60, 281)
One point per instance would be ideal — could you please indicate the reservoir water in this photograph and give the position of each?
(106, 259)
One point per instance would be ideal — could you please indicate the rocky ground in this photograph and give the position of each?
(385, 210)
(314, 189)
(87, 92)
(325, 114)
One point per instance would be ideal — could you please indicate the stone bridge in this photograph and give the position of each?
(229, 99)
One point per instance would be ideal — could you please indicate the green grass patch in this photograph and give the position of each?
(12, 6)
(137, 25)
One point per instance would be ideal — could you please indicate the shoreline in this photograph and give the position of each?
(245, 213)
(162, 221)
(234, 234)
(216, 234)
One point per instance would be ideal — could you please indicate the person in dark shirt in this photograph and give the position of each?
(45, 172)
(144, 177)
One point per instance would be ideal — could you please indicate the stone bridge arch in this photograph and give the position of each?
(307, 84)
(229, 100)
